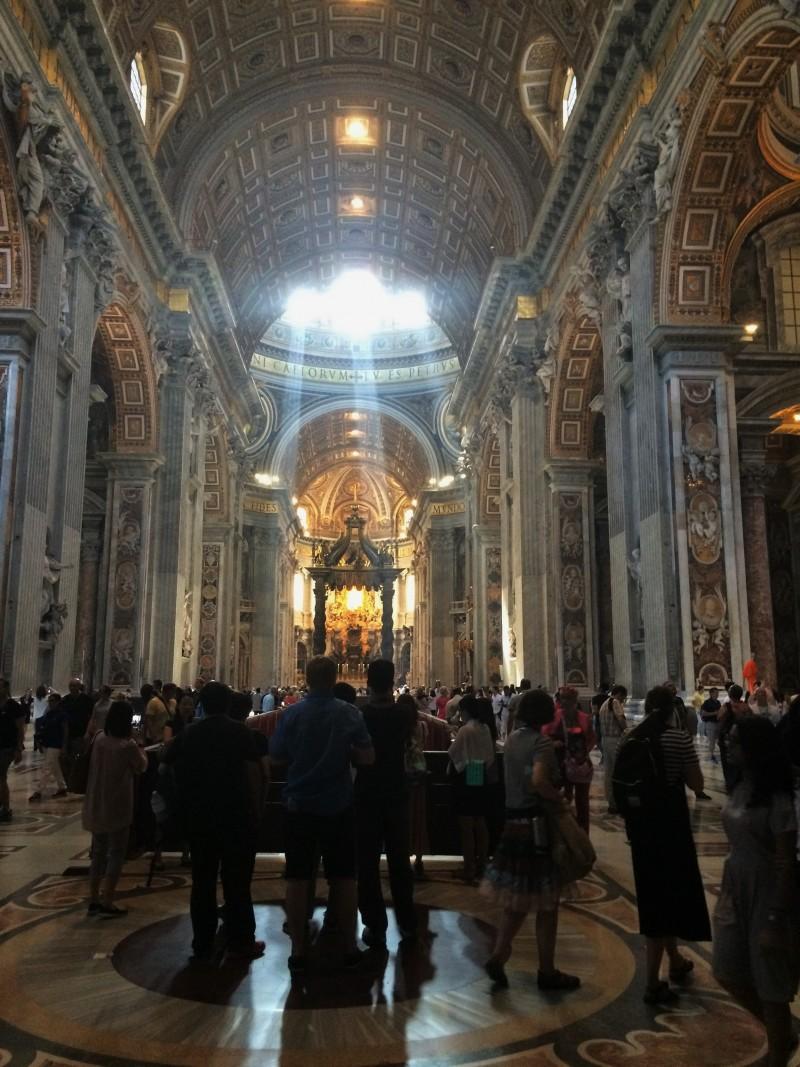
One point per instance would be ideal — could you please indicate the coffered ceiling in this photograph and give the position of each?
(450, 176)
(352, 438)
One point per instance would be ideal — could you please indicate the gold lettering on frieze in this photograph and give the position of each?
(263, 507)
(350, 375)
(452, 507)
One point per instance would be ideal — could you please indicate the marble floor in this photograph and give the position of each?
(75, 991)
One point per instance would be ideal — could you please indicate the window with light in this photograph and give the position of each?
(138, 85)
(570, 96)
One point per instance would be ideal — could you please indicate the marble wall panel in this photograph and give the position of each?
(573, 588)
(209, 610)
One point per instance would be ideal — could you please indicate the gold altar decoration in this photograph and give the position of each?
(347, 609)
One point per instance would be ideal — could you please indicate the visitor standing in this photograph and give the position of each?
(514, 702)
(108, 805)
(38, 709)
(53, 744)
(319, 738)
(573, 739)
(669, 890)
(100, 711)
(757, 918)
(709, 713)
(156, 715)
(734, 710)
(613, 725)
(472, 754)
(382, 811)
(751, 673)
(12, 741)
(220, 785)
(78, 707)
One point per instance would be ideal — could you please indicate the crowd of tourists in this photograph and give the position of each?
(354, 767)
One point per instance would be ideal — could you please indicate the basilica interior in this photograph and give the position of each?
(464, 333)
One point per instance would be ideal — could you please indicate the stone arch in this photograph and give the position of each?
(709, 183)
(127, 351)
(280, 448)
(578, 378)
(544, 66)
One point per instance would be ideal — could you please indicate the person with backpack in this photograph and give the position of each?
(655, 762)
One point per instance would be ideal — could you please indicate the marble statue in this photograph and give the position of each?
(52, 622)
(186, 643)
(668, 155)
(588, 298)
(545, 373)
(634, 565)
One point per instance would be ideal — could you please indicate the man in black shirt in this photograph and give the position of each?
(78, 707)
(709, 713)
(381, 794)
(220, 784)
(12, 738)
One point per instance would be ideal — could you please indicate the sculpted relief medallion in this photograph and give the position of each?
(705, 531)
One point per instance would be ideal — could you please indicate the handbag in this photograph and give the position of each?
(79, 772)
(475, 772)
(571, 850)
(577, 771)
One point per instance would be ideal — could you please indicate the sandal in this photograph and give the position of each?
(557, 980)
(682, 970)
(497, 973)
(660, 993)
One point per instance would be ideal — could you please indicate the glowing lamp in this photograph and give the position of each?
(796, 416)
(447, 480)
(751, 328)
(357, 203)
(355, 599)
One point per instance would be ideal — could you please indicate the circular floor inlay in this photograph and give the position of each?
(156, 958)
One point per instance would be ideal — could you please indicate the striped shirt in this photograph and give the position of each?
(679, 754)
(611, 724)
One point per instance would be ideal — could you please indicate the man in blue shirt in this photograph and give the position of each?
(319, 738)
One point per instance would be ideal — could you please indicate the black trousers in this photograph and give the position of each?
(383, 825)
(232, 856)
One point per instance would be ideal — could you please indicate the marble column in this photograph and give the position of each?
(756, 476)
(87, 613)
(35, 452)
(128, 579)
(440, 626)
(267, 545)
(18, 333)
(698, 372)
(530, 537)
(387, 618)
(175, 523)
(575, 614)
(320, 594)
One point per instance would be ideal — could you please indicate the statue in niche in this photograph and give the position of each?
(668, 155)
(52, 622)
(634, 565)
(618, 286)
(64, 329)
(588, 298)
(97, 430)
(512, 642)
(50, 577)
(545, 372)
(186, 643)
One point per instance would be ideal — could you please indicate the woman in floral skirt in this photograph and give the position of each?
(522, 876)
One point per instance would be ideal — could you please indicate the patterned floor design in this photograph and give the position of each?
(76, 992)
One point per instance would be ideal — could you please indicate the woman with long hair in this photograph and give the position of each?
(669, 890)
(522, 876)
(757, 919)
(114, 760)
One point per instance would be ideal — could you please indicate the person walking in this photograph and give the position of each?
(669, 890)
(220, 785)
(522, 876)
(613, 725)
(382, 811)
(319, 738)
(756, 950)
(733, 711)
(53, 743)
(108, 806)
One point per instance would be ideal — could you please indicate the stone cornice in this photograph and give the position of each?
(689, 338)
(131, 466)
(19, 328)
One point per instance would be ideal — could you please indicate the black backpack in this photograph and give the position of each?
(639, 781)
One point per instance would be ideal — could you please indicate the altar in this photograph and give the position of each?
(353, 583)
